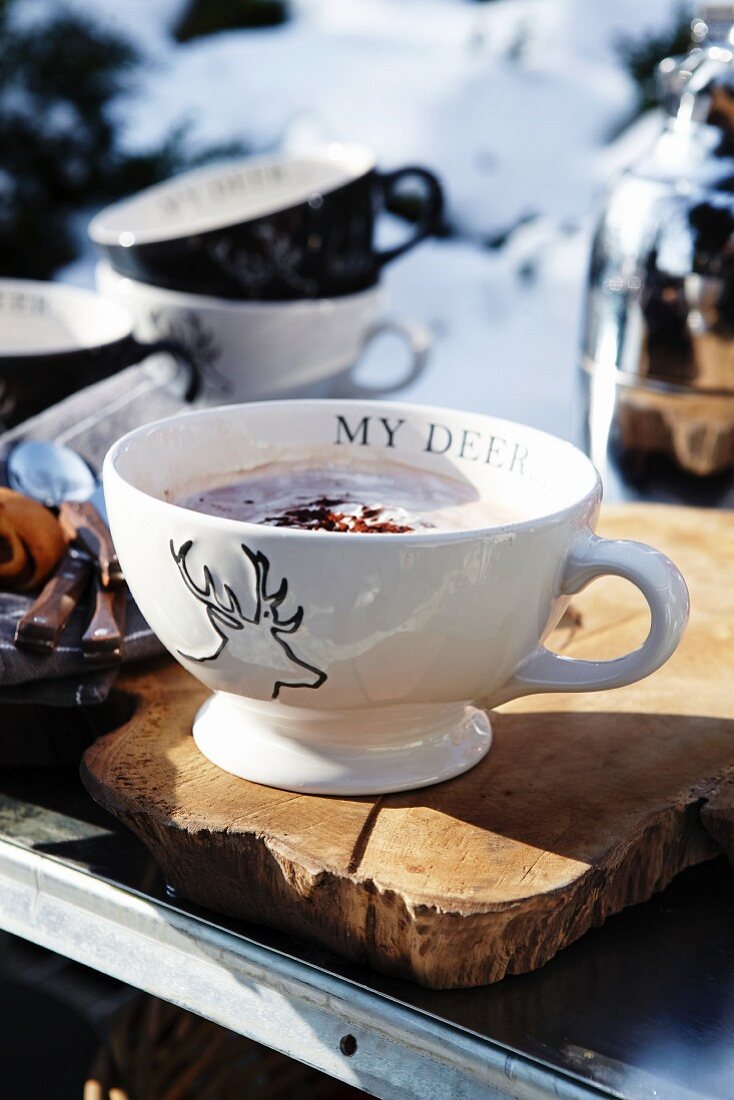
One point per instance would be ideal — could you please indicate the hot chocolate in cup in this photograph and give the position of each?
(345, 661)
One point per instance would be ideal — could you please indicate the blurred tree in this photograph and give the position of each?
(59, 142)
(202, 17)
(641, 56)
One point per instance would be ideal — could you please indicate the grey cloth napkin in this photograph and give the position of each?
(89, 422)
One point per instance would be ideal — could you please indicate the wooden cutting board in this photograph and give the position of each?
(585, 803)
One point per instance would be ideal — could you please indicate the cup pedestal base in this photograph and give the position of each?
(357, 752)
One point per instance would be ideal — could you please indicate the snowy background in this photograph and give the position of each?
(514, 103)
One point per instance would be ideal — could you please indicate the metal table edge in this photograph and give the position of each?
(270, 997)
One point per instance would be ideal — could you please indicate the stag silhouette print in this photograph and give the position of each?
(227, 618)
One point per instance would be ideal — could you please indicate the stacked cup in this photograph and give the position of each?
(266, 270)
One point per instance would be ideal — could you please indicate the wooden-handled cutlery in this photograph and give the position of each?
(60, 478)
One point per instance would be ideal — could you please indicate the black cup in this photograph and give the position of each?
(56, 339)
(268, 230)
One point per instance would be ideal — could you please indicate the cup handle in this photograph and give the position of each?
(418, 339)
(141, 349)
(431, 217)
(667, 596)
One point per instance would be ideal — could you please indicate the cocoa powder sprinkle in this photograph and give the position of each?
(322, 514)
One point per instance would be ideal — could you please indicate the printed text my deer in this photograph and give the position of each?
(437, 439)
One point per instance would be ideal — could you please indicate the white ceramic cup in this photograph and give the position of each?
(351, 663)
(272, 228)
(251, 351)
(56, 339)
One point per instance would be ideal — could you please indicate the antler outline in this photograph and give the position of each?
(219, 614)
(229, 614)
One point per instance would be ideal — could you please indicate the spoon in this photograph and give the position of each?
(60, 478)
(52, 473)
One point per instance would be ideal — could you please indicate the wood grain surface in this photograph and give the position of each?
(585, 803)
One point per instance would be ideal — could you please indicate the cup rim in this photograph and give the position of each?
(120, 317)
(240, 528)
(187, 299)
(109, 235)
